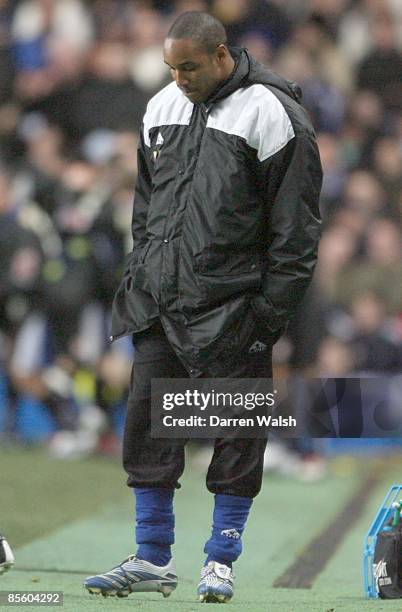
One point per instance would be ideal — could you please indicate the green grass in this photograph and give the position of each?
(40, 494)
(70, 519)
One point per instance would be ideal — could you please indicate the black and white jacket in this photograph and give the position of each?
(226, 219)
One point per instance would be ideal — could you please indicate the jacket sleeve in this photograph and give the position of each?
(142, 195)
(131, 306)
(291, 182)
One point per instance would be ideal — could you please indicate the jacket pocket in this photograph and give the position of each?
(138, 269)
(215, 263)
(263, 312)
(221, 278)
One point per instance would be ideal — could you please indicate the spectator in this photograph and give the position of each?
(380, 271)
(373, 342)
(21, 256)
(380, 70)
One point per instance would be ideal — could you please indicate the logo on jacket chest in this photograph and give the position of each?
(158, 145)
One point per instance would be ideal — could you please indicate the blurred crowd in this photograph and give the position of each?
(75, 77)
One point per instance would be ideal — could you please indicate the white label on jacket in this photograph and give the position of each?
(255, 114)
(169, 107)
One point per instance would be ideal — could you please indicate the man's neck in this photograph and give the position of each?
(229, 70)
(229, 67)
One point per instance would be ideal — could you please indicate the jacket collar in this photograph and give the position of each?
(235, 80)
(247, 71)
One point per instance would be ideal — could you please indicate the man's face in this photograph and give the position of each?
(196, 72)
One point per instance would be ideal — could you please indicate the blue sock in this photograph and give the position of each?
(155, 524)
(229, 521)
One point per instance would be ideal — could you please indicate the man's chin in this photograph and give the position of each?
(195, 97)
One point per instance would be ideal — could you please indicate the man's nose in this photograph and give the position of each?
(181, 80)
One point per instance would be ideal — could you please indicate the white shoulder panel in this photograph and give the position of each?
(255, 114)
(168, 107)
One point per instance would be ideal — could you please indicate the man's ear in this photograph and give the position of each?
(222, 52)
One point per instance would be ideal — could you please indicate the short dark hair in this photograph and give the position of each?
(201, 27)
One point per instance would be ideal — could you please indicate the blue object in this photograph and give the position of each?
(361, 446)
(118, 415)
(34, 423)
(4, 407)
(384, 513)
(31, 54)
(155, 524)
(230, 516)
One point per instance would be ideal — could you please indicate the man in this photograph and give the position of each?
(225, 228)
(6, 555)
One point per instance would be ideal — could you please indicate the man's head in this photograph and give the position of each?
(196, 51)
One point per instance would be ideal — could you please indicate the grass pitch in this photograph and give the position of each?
(67, 520)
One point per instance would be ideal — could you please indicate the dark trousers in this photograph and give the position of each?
(237, 464)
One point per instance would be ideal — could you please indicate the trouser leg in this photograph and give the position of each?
(151, 462)
(236, 469)
(237, 464)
